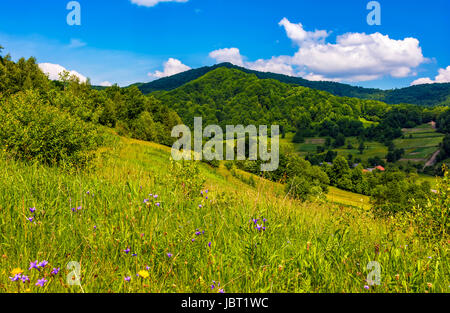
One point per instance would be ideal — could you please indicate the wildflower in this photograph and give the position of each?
(147, 267)
(193, 240)
(43, 264)
(34, 265)
(55, 271)
(158, 204)
(209, 244)
(25, 279)
(30, 218)
(87, 192)
(169, 255)
(79, 208)
(16, 277)
(366, 287)
(134, 254)
(200, 206)
(32, 210)
(41, 282)
(146, 200)
(198, 233)
(127, 250)
(143, 274)
(95, 227)
(221, 291)
(16, 271)
(255, 221)
(264, 220)
(155, 196)
(258, 227)
(127, 279)
(206, 198)
(212, 286)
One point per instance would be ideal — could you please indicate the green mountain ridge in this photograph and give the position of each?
(426, 95)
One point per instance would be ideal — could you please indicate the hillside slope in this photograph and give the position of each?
(134, 219)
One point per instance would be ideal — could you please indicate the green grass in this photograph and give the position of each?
(307, 247)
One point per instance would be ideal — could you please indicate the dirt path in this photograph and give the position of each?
(432, 160)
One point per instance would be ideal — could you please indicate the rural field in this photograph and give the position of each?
(139, 223)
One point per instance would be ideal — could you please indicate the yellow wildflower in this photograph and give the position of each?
(143, 274)
(16, 271)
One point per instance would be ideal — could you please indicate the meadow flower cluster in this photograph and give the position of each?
(18, 274)
(153, 199)
(260, 225)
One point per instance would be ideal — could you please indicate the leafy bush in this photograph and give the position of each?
(33, 130)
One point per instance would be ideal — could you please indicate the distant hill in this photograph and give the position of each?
(427, 95)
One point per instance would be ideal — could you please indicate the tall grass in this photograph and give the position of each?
(306, 247)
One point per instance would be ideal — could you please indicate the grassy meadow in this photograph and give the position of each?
(138, 223)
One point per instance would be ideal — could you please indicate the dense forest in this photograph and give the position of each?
(61, 121)
(425, 95)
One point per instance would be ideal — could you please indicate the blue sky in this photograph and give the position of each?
(123, 42)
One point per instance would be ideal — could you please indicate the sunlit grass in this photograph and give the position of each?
(306, 247)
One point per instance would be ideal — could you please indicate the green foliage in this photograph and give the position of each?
(185, 176)
(33, 130)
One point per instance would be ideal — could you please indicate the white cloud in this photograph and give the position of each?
(442, 77)
(354, 56)
(106, 84)
(152, 3)
(76, 43)
(171, 67)
(360, 57)
(232, 55)
(296, 33)
(53, 71)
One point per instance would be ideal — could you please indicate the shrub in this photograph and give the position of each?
(33, 130)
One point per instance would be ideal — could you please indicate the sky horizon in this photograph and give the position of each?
(134, 41)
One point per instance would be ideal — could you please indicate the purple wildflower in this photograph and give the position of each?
(209, 244)
(16, 277)
(41, 282)
(221, 291)
(34, 265)
(200, 206)
(255, 220)
(32, 210)
(127, 250)
(169, 255)
(55, 271)
(155, 196)
(258, 227)
(366, 287)
(146, 200)
(134, 254)
(43, 264)
(127, 279)
(158, 204)
(30, 218)
(25, 279)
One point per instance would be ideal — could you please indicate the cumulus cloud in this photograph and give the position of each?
(171, 67)
(354, 56)
(53, 71)
(296, 32)
(233, 55)
(152, 3)
(442, 77)
(106, 84)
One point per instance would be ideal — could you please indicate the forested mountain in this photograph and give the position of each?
(429, 95)
(230, 97)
